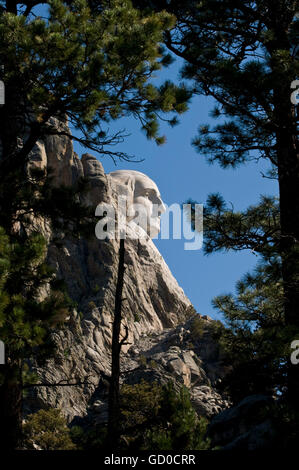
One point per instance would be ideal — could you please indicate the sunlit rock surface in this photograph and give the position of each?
(156, 310)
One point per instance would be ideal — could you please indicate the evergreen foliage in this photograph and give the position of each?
(255, 337)
(244, 54)
(94, 68)
(62, 62)
(47, 430)
(153, 417)
(157, 417)
(27, 320)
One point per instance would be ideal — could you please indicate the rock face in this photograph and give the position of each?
(167, 356)
(156, 311)
(246, 426)
(177, 355)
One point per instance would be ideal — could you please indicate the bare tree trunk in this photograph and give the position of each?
(113, 403)
(288, 177)
(289, 212)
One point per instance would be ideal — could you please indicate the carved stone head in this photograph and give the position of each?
(143, 196)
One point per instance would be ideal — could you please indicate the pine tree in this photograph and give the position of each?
(157, 417)
(90, 68)
(94, 68)
(47, 430)
(26, 322)
(153, 417)
(255, 340)
(244, 54)
(179, 427)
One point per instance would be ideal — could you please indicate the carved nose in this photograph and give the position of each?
(162, 208)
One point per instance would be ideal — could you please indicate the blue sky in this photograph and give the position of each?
(181, 173)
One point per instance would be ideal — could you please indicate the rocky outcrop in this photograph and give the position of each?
(246, 426)
(156, 311)
(167, 356)
(175, 355)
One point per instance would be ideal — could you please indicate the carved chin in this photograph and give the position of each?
(154, 229)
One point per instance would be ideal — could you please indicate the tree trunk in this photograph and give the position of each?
(113, 403)
(11, 406)
(288, 177)
(11, 6)
(288, 165)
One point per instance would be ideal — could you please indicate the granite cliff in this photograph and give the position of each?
(157, 313)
